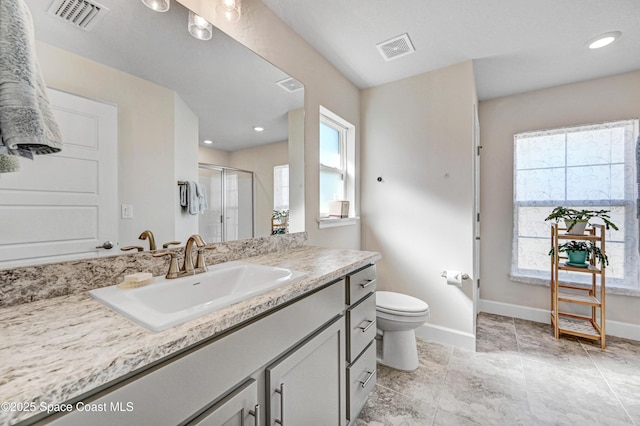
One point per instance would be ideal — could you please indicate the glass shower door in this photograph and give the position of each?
(210, 223)
(238, 212)
(230, 194)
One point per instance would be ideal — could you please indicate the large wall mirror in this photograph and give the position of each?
(169, 93)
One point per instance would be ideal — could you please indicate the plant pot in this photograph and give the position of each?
(577, 227)
(577, 257)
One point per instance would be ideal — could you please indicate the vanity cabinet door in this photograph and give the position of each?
(240, 408)
(307, 385)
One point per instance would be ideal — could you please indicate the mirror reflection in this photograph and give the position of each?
(139, 85)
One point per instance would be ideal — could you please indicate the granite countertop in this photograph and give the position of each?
(57, 349)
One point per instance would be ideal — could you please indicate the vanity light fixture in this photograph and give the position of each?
(229, 9)
(258, 128)
(199, 27)
(157, 5)
(208, 141)
(603, 39)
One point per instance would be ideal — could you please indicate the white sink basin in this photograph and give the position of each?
(165, 303)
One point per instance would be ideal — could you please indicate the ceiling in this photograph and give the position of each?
(229, 87)
(516, 45)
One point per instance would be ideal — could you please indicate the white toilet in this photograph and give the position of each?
(397, 316)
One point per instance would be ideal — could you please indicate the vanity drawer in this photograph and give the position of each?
(361, 378)
(360, 283)
(361, 326)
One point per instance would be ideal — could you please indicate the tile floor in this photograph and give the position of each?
(519, 375)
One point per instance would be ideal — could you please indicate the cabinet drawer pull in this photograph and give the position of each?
(366, 327)
(367, 283)
(256, 414)
(368, 379)
(281, 392)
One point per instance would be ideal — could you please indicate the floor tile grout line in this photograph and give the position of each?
(444, 381)
(615, 395)
(524, 373)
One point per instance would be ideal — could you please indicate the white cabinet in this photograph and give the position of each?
(309, 362)
(361, 333)
(297, 383)
(240, 408)
(361, 378)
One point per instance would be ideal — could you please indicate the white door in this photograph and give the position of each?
(476, 203)
(62, 206)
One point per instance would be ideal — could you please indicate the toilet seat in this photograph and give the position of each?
(400, 304)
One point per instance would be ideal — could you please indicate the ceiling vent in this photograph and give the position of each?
(290, 84)
(79, 13)
(396, 48)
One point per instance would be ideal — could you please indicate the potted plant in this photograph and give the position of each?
(576, 220)
(579, 253)
(279, 222)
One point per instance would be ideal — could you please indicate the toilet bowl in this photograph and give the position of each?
(397, 317)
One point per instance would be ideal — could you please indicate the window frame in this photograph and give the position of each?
(342, 149)
(629, 227)
(277, 170)
(346, 170)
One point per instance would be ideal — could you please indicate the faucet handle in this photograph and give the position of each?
(171, 243)
(127, 248)
(174, 271)
(200, 262)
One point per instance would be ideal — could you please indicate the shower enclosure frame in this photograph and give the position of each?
(224, 200)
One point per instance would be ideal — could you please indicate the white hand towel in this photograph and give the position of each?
(26, 121)
(202, 198)
(184, 199)
(193, 206)
(9, 163)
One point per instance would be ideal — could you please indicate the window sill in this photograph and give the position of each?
(332, 222)
(618, 291)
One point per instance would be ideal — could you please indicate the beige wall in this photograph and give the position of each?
(185, 165)
(213, 156)
(296, 171)
(593, 101)
(146, 131)
(264, 33)
(260, 160)
(418, 136)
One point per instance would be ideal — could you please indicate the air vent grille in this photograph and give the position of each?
(79, 13)
(396, 48)
(290, 84)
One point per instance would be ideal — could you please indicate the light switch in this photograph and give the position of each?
(127, 211)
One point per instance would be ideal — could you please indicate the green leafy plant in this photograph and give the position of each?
(591, 248)
(281, 216)
(571, 216)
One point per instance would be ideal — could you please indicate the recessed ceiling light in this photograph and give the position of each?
(603, 40)
(208, 141)
(258, 128)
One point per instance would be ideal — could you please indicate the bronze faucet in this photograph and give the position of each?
(152, 241)
(187, 266)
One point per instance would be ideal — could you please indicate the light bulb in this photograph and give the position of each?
(229, 9)
(157, 5)
(603, 40)
(199, 27)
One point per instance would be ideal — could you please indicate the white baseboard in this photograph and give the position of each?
(447, 336)
(614, 328)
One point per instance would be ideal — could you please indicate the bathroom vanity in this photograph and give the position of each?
(303, 354)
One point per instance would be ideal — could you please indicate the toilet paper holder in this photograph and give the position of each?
(464, 276)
